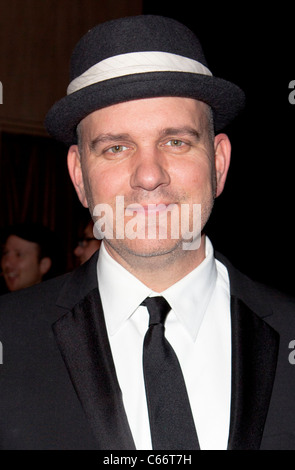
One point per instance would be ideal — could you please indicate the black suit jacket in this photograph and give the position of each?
(58, 385)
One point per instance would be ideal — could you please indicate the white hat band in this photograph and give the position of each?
(136, 62)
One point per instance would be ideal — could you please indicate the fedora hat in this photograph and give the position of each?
(138, 57)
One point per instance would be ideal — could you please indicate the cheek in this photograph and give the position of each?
(197, 179)
(29, 265)
(26, 270)
(105, 184)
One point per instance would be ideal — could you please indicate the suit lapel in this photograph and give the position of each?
(82, 339)
(254, 357)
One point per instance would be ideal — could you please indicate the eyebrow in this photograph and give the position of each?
(185, 130)
(108, 138)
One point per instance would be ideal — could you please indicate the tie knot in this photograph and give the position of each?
(158, 308)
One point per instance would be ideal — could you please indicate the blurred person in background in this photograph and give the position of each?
(87, 245)
(28, 255)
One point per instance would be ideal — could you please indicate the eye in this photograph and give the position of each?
(116, 149)
(177, 146)
(176, 143)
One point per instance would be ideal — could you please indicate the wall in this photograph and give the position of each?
(36, 40)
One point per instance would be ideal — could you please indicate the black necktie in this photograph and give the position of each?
(171, 422)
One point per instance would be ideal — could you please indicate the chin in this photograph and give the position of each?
(145, 248)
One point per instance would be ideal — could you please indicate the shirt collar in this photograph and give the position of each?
(190, 296)
(122, 293)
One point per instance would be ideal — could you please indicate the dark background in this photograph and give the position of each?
(253, 46)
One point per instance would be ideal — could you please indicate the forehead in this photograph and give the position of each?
(152, 113)
(14, 242)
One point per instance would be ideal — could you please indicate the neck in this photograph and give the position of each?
(161, 271)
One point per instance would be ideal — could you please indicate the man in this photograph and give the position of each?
(91, 371)
(27, 255)
(88, 245)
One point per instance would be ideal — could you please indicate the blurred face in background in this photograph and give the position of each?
(21, 264)
(87, 246)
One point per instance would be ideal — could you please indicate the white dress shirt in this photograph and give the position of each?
(198, 328)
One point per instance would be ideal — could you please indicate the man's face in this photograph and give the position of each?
(149, 152)
(20, 263)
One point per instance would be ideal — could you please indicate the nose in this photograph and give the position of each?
(78, 251)
(150, 170)
(7, 261)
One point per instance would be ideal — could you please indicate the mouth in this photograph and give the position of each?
(150, 208)
(11, 275)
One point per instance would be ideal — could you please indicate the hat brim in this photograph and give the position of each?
(225, 98)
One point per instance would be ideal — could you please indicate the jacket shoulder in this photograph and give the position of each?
(259, 297)
(26, 303)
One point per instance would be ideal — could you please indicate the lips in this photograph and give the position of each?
(149, 208)
(10, 275)
(11, 278)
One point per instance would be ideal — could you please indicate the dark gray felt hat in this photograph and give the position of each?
(138, 57)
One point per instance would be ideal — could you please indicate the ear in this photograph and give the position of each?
(222, 147)
(75, 171)
(45, 265)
